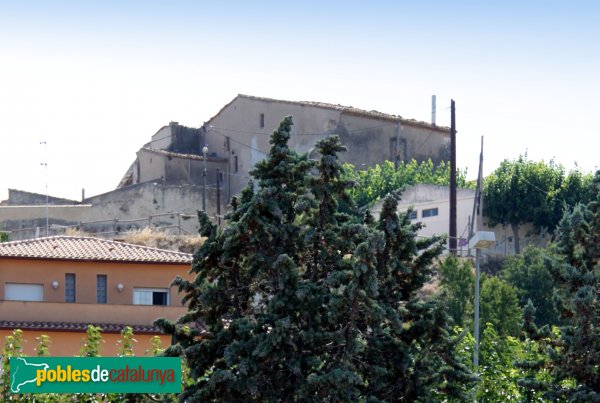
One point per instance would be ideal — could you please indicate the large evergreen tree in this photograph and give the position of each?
(574, 356)
(297, 301)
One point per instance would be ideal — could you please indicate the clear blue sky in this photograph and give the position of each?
(97, 79)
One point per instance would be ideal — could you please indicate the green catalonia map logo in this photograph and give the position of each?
(95, 375)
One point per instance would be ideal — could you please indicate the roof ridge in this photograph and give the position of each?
(126, 244)
(89, 248)
(54, 237)
(344, 108)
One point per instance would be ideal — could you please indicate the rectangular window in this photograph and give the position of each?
(430, 212)
(235, 165)
(150, 296)
(69, 287)
(23, 292)
(101, 281)
(393, 149)
(262, 120)
(412, 214)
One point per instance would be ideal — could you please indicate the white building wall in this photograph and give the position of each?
(426, 197)
(162, 139)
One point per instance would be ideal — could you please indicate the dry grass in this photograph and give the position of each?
(72, 231)
(152, 238)
(430, 289)
(162, 240)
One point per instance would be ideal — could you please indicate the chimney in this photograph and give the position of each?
(433, 110)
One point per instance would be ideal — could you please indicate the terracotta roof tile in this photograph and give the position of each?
(88, 248)
(75, 327)
(185, 156)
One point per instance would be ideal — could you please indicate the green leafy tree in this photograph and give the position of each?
(375, 183)
(458, 280)
(298, 301)
(530, 274)
(519, 192)
(90, 345)
(500, 376)
(43, 346)
(127, 342)
(523, 191)
(499, 305)
(13, 347)
(576, 187)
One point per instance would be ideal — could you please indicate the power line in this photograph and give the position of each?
(307, 134)
(225, 136)
(297, 134)
(238, 142)
(542, 191)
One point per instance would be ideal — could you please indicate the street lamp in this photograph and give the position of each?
(481, 240)
(204, 152)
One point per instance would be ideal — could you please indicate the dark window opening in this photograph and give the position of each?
(235, 164)
(262, 120)
(101, 282)
(159, 298)
(430, 212)
(69, 287)
(412, 215)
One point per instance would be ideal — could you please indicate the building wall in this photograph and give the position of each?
(131, 275)
(148, 167)
(146, 199)
(187, 171)
(128, 208)
(80, 312)
(66, 344)
(118, 310)
(23, 198)
(422, 197)
(369, 140)
(162, 139)
(240, 121)
(178, 170)
(505, 244)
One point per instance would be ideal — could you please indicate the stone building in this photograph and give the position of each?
(237, 137)
(171, 176)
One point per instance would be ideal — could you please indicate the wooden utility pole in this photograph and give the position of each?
(452, 233)
(477, 200)
(218, 197)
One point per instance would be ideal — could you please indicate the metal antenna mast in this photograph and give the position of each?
(45, 164)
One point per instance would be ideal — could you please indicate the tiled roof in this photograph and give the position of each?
(185, 156)
(352, 110)
(75, 327)
(89, 249)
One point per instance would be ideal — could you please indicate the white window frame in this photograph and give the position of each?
(150, 291)
(23, 289)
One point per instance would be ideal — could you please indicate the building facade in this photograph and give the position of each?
(240, 133)
(171, 177)
(59, 285)
(237, 137)
(431, 206)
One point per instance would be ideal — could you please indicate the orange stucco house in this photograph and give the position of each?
(58, 285)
